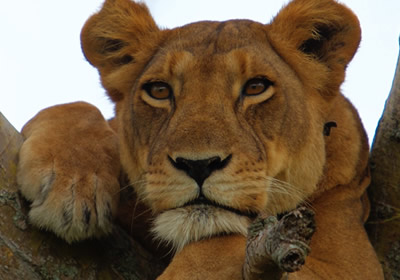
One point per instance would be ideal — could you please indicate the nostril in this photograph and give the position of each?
(200, 170)
(216, 163)
(187, 164)
(182, 164)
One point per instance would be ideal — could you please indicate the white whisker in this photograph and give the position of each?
(285, 188)
(138, 182)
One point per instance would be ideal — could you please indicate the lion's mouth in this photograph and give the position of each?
(202, 200)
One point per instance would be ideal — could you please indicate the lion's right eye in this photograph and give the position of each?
(256, 86)
(158, 90)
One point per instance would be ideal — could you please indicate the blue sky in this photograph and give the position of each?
(41, 63)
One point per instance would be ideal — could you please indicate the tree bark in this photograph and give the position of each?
(275, 247)
(384, 192)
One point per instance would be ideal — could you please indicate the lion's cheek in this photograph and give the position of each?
(253, 202)
(162, 190)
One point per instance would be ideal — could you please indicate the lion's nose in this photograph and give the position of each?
(200, 170)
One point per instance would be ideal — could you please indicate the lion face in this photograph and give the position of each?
(213, 119)
(219, 124)
(218, 121)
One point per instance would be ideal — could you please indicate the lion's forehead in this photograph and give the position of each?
(221, 51)
(210, 37)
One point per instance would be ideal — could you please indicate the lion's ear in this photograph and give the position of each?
(111, 38)
(321, 30)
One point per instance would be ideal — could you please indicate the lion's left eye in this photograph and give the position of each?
(256, 86)
(158, 90)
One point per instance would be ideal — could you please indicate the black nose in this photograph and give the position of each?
(200, 170)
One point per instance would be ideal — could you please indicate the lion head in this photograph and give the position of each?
(220, 121)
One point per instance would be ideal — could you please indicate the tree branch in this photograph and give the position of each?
(384, 192)
(277, 246)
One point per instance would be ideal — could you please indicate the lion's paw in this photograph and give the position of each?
(75, 207)
(70, 177)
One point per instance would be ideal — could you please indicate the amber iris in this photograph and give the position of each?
(158, 90)
(256, 86)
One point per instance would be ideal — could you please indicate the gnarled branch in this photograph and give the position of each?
(277, 246)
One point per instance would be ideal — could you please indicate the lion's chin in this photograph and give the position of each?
(180, 226)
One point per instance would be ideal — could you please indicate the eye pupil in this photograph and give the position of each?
(256, 86)
(158, 90)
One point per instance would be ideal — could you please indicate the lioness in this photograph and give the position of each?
(216, 122)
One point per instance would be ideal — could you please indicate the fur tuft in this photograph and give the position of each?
(179, 227)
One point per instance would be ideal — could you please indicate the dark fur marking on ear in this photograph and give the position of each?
(124, 60)
(315, 46)
(328, 126)
(112, 45)
(338, 45)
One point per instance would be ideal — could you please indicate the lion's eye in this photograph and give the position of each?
(158, 90)
(256, 86)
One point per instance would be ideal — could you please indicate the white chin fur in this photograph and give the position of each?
(180, 226)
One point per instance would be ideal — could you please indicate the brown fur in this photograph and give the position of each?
(279, 156)
(75, 198)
